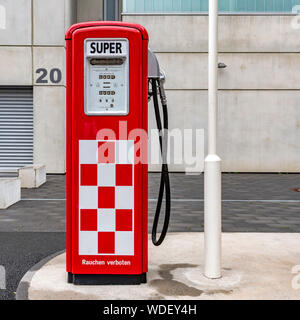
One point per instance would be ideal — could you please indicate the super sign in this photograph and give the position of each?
(97, 48)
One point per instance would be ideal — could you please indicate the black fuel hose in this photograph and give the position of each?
(164, 179)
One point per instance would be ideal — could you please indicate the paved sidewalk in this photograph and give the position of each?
(251, 203)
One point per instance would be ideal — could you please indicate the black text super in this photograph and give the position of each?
(106, 47)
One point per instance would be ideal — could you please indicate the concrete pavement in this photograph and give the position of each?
(255, 266)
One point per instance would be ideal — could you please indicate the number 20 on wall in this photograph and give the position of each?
(55, 75)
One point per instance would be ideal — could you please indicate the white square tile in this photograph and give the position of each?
(124, 197)
(106, 174)
(130, 147)
(88, 197)
(88, 242)
(124, 243)
(125, 151)
(106, 220)
(88, 151)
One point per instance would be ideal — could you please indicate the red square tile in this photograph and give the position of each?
(106, 242)
(123, 220)
(88, 219)
(106, 197)
(106, 152)
(124, 174)
(88, 174)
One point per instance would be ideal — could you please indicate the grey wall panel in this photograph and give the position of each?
(49, 22)
(260, 89)
(49, 127)
(17, 22)
(259, 131)
(89, 10)
(15, 66)
(237, 33)
(244, 70)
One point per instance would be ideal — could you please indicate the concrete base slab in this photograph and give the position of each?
(255, 266)
(10, 192)
(32, 176)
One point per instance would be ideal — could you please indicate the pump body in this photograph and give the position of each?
(107, 183)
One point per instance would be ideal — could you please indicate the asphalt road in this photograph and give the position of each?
(21, 250)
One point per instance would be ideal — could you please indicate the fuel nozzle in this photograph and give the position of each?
(161, 83)
(156, 80)
(155, 73)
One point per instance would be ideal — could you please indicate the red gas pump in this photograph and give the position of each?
(107, 174)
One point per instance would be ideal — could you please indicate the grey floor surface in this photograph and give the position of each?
(251, 202)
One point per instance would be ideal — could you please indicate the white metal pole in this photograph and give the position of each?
(212, 178)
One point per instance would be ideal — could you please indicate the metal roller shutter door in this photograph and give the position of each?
(16, 128)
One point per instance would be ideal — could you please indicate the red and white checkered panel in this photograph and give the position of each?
(106, 197)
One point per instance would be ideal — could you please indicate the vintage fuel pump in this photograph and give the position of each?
(108, 87)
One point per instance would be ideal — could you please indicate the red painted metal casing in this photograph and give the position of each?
(85, 127)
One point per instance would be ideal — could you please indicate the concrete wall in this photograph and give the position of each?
(259, 103)
(259, 112)
(32, 40)
(89, 10)
(50, 21)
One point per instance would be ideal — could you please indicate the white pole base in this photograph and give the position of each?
(212, 217)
